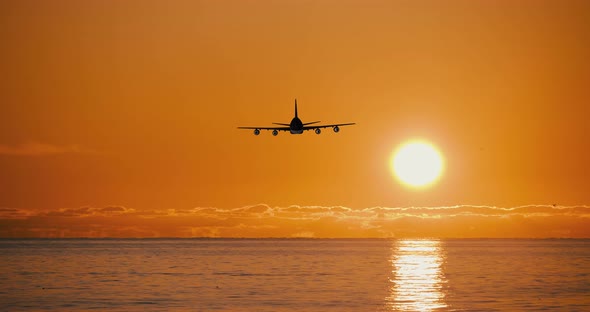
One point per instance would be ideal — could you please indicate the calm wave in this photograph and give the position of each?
(294, 274)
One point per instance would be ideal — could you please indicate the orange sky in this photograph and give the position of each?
(118, 118)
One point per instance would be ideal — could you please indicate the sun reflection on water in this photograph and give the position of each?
(417, 279)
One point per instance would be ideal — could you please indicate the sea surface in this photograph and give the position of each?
(294, 275)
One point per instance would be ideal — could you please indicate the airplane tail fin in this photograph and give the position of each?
(295, 107)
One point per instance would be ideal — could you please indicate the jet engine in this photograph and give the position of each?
(256, 131)
(318, 131)
(336, 129)
(275, 132)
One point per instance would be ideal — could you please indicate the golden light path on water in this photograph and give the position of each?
(417, 279)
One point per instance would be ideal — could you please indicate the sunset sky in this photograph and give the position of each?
(118, 118)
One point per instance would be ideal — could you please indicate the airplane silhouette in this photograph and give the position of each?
(296, 126)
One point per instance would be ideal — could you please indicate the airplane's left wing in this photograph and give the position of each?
(275, 130)
(267, 128)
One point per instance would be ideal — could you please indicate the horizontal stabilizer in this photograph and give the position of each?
(309, 123)
(281, 124)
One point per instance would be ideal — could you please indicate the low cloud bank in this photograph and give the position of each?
(532, 221)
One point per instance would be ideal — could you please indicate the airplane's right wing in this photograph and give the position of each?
(328, 126)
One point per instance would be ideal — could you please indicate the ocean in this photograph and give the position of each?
(294, 275)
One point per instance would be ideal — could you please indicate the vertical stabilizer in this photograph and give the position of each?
(295, 108)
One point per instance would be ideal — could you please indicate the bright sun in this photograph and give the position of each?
(417, 163)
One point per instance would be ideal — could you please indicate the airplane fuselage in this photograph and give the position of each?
(296, 126)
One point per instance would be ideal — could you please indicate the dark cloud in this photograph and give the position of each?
(89, 211)
(38, 149)
(13, 213)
